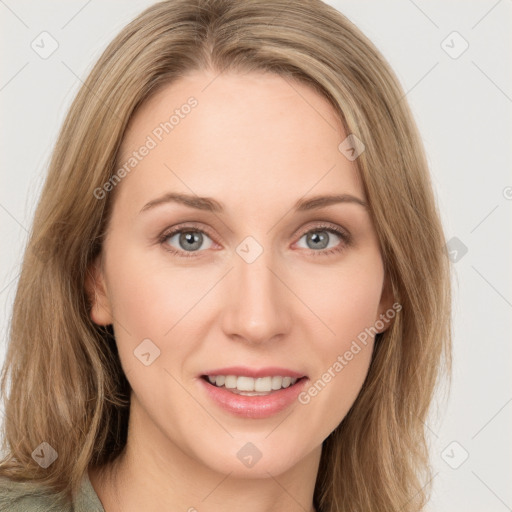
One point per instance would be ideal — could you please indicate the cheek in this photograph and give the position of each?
(346, 299)
(160, 305)
(348, 306)
(152, 297)
(151, 300)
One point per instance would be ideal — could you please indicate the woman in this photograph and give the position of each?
(235, 289)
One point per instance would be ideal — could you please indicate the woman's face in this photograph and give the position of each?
(252, 281)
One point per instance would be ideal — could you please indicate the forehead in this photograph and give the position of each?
(236, 136)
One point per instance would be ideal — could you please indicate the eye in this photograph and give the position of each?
(187, 239)
(322, 240)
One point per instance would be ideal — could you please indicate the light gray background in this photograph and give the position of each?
(462, 106)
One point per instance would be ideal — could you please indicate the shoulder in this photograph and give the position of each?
(28, 497)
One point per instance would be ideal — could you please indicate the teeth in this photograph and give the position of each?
(260, 384)
(276, 382)
(263, 384)
(230, 382)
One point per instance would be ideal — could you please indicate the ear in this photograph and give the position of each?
(386, 311)
(95, 287)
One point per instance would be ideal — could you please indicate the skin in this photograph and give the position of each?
(256, 143)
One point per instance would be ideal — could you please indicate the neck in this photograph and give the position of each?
(161, 476)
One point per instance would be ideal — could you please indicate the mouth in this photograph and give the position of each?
(252, 386)
(252, 393)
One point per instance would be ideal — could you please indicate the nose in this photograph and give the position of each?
(258, 304)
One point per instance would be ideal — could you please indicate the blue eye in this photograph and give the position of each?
(319, 240)
(190, 240)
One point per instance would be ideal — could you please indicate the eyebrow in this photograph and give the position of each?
(211, 205)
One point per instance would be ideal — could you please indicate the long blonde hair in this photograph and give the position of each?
(67, 387)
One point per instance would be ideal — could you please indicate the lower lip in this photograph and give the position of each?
(254, 407)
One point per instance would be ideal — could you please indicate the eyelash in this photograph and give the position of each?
(345, 237)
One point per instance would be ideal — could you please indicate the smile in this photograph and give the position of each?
(250, 386)
(252, 397)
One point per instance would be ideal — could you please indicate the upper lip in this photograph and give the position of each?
(269, 371)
